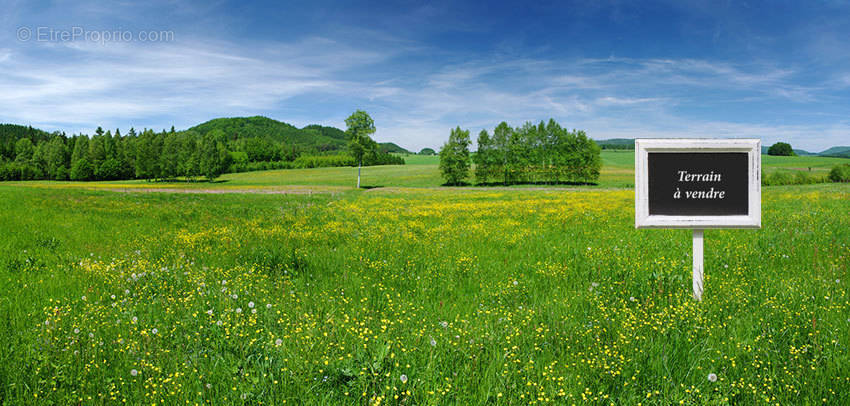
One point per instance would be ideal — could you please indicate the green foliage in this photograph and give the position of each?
(454, 157)
(359, 128)
(427, 151)
(781, 149)
(840, 173)
(545, 153)
(82, 170)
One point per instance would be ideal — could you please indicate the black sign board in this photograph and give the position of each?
(698, 183)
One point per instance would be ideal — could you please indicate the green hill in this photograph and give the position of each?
(616, 143)
(310, 137)
(392, 148)
(11, 133)
(841, 152)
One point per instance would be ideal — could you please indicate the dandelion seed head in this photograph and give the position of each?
(712, 377)
(403, 378)
(133, 372)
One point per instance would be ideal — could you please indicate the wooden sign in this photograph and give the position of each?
(697, 184)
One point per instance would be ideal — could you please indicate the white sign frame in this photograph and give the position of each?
(643, 146)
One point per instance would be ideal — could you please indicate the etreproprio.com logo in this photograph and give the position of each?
(72, 34)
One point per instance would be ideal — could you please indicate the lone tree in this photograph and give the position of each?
(454, 157)
(360, 125)
(781, 149)
(427, 151)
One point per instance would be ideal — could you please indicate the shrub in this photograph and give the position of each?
(840, 173)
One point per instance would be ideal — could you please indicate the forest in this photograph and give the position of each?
(205, 151)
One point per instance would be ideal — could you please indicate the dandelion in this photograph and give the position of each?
(444, 324)
(251, 305)
(268, 305)
(238, 310)
(84, 298)
(234, 296)
(210, 312)
(433, 342)
(278, 342)
(403, 378)
(516, 283)
(253, 311)
(632, 298)
(133, 372)
(712, 377)
(135, 319)
(76, 331)
(209, 386)
(218, 323)
(154, 330)
(91, 335)
(126, 291)
(112, 297)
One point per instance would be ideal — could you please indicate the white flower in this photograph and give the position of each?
(516, 283)
(154, 330)
(712, 377)
(76, 331)
(84, 298)
(444, 324)
(210, 312)
(218, 323)
(251, 305)
(278, 342)
(594, 284)
(433, 342)
(135, 319)
(238, 310)
(268, 305)
(403, 378)
(112, 297)
(134, 372)
(235, 296)
(253, 311)
(91, 335)
(126, 291)
(632, 299)
(209, 386)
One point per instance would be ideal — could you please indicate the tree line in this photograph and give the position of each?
(542, 153)
(112, 156)
(31, 154)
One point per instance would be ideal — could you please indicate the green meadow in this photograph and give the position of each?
(423, 172)
(414, 295)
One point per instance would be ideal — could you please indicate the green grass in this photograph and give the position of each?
(476, 296)
(423, 172)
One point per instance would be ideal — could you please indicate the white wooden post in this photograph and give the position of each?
(698, 265)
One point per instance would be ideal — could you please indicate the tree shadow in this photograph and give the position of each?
(457, 184)
(371, 187)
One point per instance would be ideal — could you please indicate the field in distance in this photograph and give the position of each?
(423, 171)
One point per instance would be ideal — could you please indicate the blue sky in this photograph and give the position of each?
(775, 70)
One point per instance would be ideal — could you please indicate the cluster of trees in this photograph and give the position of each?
(781, 149)
(108, 156)
(542, 153)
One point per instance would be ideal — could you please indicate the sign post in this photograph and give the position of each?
(697, 184)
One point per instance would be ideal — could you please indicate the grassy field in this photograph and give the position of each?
(415, 296)
(423, 171)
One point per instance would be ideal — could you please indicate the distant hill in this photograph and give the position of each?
(11, 133)
(313, 136)
(392, 148)
(841, 152)
(616, 143)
